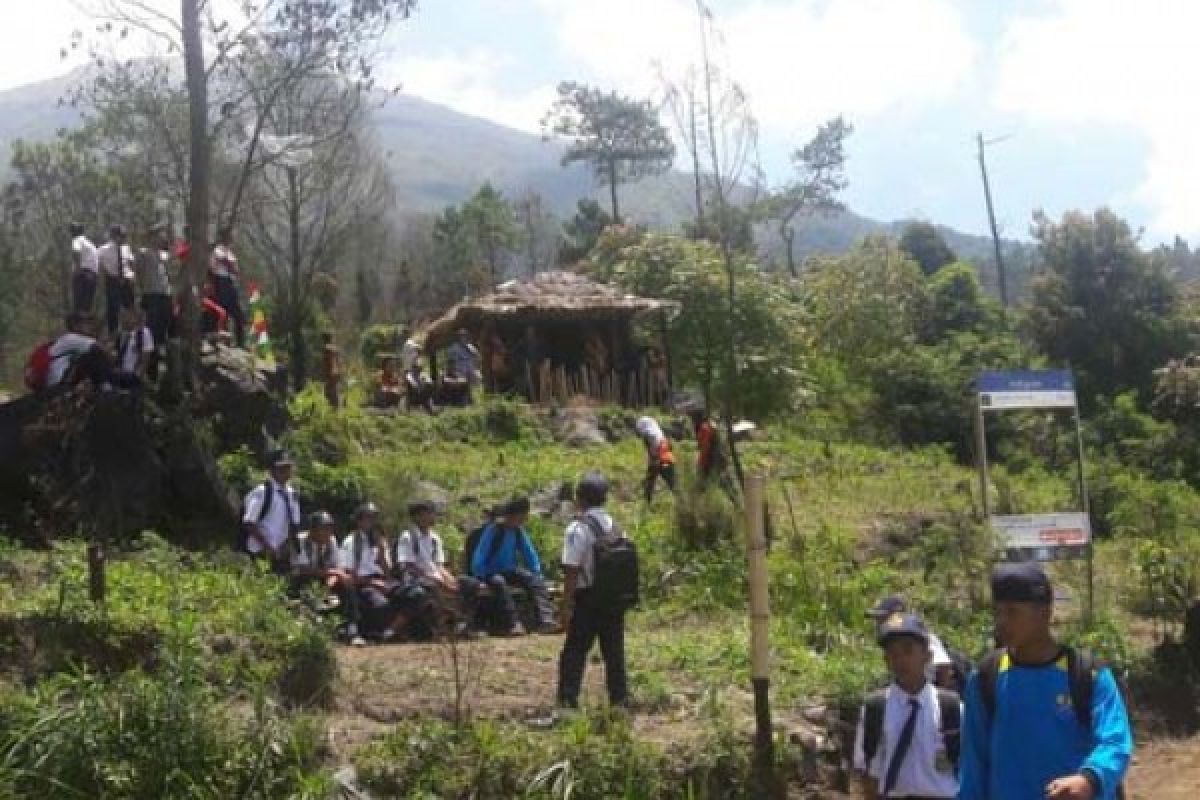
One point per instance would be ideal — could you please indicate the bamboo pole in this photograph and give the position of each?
(760, 667)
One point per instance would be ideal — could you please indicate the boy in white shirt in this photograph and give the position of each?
(430, 588)
(135, 344)
(908, 738)
(365, 558)
(272, 513)
(85, 268)
(116, 262)
(314, 559)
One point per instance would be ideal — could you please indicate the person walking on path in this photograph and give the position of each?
(907, 743)
(587, 614)
(1043, 720)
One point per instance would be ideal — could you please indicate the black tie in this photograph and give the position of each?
(902, 746)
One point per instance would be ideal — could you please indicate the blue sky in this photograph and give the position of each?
(1096, 96)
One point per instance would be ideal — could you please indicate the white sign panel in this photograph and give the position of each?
(1044, 537)
(1005, 401)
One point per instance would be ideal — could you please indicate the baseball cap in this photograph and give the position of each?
(892, 604)
(900, 624)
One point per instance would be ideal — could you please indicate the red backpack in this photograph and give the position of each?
(37, 367)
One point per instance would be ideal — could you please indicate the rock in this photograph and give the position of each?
(816, 715)
(577, 427)
(237, 395)
(345, 783)
(426, 490)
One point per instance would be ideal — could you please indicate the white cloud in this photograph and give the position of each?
(1116, 63)
(471, 82)
(800, 61)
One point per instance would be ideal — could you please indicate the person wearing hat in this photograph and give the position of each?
(1042, 719)
(154, 281)
(85, 265)
(314, 558)
(116, 264)
(420, 564)
(907, 739)
(419, 390)
(271, 512)
(942, 670)
(365, 558)
(584, 616)
(505, 558)
(225, 272)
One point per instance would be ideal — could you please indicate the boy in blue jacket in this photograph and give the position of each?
(504, 558)
(1036, 725)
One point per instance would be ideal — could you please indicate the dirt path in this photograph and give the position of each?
(1166, 770)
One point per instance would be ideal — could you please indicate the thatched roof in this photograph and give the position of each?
(546, 296)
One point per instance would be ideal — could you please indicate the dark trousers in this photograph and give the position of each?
(664, 471)
(501, 604)
(83, 290)
(226, 295)
(118, 294)
(589, 623)
(158, 320)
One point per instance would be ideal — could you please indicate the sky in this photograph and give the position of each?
(1092, 101)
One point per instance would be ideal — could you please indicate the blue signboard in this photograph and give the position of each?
(1000, 390)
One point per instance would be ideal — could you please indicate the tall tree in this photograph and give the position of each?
(455, 256)
(493, 225)
(1103, 305)
(818, 177)
(582, 231)
(539, 231)
(200, 151)
(924, 242)
(620, 137)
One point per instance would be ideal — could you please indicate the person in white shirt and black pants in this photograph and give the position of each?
(584, 616)
(420, 565)
(85, 266)
(116, 262)
(908, 739)
(272, 514)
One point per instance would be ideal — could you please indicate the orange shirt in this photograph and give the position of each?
(662, 452)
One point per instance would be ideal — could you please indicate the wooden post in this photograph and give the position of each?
(760, 667)
(97, 580)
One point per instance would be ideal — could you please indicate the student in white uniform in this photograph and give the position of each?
(116, 262)
(365, 558)
(908, 738)
(85, 270)
(430, 589)
(272, 513)
(315, 560)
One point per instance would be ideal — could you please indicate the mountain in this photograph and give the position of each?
(439, 156)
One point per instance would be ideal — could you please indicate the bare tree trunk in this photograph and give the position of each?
(788, 234)
(197, 212)
(731, 370)
(296, 317)
(695, 148)
(612, 188)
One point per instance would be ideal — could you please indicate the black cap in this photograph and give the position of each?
(1021, 582)
(900, 624)
(320, 519)
(592, 488)
(518, 505)
(420, 507)
(281, 458)
(117, 231)
(892, 604)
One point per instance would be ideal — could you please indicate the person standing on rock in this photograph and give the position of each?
(155, 284)
(589, 612)
(116, 262)
(907, 743)
(272, 513)
(1043, 720)
(224, 270)
(85, 268)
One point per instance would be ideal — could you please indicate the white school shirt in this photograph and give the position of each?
(409, 354)
(283, 513)
(429, 555)
(223, 262)
(129, 352)
(305, 553)
(366, 565)
(114, 266)
(919, 774)
(88, 258)
(579, 545)
(63, 353)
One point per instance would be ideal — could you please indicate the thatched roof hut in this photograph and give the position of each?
(560, 334)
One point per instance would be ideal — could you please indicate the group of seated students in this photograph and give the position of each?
(402, 587)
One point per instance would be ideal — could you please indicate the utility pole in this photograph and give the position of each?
(1001, 276)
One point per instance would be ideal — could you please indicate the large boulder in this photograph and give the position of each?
(240, 394)
(577, 427)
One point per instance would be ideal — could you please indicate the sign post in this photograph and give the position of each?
(1043, 536)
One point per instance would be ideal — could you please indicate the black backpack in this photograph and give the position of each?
(949, 723)
(614, 567)
(1082, 668)
(268, 500)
